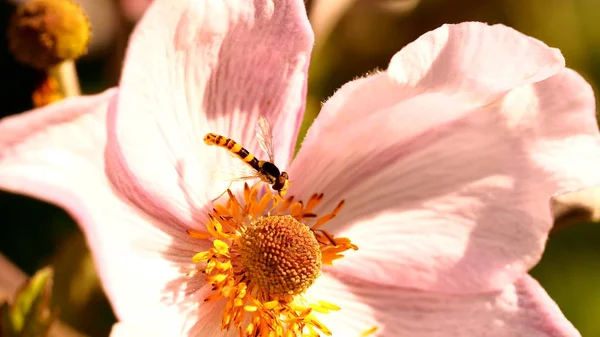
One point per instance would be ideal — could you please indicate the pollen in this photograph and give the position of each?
(266, 252)
(280, 255)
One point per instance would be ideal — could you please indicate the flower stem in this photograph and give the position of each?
(66, 76)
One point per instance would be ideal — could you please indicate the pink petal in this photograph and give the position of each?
(475, 59)
(205, 322)
(133, 9)
(522, 309)
(208, 322)
(199, 67)
(56, 154)
(11, 278)
(150, 329)
(449, 191)
(149, 324)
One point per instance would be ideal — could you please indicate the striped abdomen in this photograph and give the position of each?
(233, 147)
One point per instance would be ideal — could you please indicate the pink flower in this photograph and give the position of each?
(11, 278)
(447, 161)
(133, 9)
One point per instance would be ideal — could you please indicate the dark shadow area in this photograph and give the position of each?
(36, 234)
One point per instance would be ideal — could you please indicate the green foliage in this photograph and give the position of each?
(569, 272)
(30, 315)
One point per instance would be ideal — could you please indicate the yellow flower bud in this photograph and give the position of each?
(43, 33)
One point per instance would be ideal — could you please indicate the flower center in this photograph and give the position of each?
(266, 253)
(281, 255)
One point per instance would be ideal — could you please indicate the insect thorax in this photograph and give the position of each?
(270, 171)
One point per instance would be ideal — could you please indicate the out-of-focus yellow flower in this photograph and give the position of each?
(43, 33)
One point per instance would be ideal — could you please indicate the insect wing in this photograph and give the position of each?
(240, 173)
(265, 137)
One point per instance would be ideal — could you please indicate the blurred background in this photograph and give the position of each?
(353, 37)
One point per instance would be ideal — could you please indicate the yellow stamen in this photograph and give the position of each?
(329, 306)
(369, 332)
(221, 247)
(47, 92)
(202, 256)
(199, 235)
(264, 257)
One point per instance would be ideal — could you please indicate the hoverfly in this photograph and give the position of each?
(264, 170)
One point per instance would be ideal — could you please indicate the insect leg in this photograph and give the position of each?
(220, 195)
